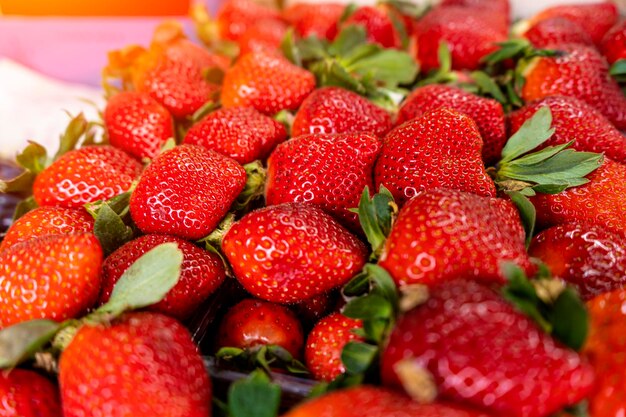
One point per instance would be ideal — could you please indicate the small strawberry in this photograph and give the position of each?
(613, 44)
(27, 394)
(481, 351)
(137, 124)
(234, 17)
(264, 35)
(379, 25)
(292, 252)
(186, 191)
(314, 19)
(143, 364)
(311, 310)
(591, 258)
(86, 175)
(487, 113)
(240, 133)
(556, 30)
(267, 82)
(335, 110)
(55, 277)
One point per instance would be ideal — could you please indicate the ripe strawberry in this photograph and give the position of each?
(378, 24)
(186, 191)
(264, 35)
(481, 351)
(581, 72)
(335, 110)
(591, 258)
(251, 323)
(442, 148)
(144, 364)
(267, 82)
(487, 113)
(329, 171)
(241, 133)
(27, 394)
(575, 120)
(55, 277)
(557, 30)
(44, 221)
(234, 17)
(310, 311)
(444, 234)
(137, 124)
(501, 7)
(613, 44)
(86, 175)
(325, 343)
(291, 252)
(314, 19)
(202, 272)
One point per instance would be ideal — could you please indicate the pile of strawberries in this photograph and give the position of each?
(415, 211)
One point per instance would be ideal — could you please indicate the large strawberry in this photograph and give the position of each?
(264, 35)
(234, 17)
(481, 351)
(27, 394)
(614, 43)
(141, 365)
(556, 30)
(502, 7)
(378, 22)
(186, 191)
(314, 19)
(291, 252)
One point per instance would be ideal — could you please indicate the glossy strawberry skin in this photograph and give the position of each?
(575, 120)
(335, 110)
(328, 171)
(186, 191)
(202, 272)
(442, 148)
(55, 277)
(378, 25)
(444, 234)
(614, 43)
(234, 17)
(86, 175)
(251, 323)
(475, 344)
(500, 7)
(487, 113)
(591, 258)
(557, 30)
(25, 393)
(264, 35)
(292, 252)
(143, 364)
(44, 221)
(240, 133)
(314, 19)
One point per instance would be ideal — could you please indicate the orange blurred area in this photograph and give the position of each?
(94, 7)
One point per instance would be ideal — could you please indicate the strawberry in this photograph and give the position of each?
(557, 30)
(443, 234)
(291, 252)
(481, 351)
(501, 7)
(143, 364)
(310, 311)
(202, 273)
(234, 17)
(137, 124)
(314, 19)
(613, 44)
(329, 171)
(252, 323)
(86, 175)
(575, 120)
(589, 257)
(325, 343)
(264, 35)
(379, 25)
(240, 133)
(44, 221)
(267, 82)
(335, 110)
(442, 148)
(27, 394)
(186, 191)
(487, 113)
(55, 277)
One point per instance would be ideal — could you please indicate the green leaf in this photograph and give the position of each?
(24, 207)
(348, 11)
(358, 357)
(570, 320)
(34, 157)
(289, 48)
(347, 40)
(528, 213)
(110, 229)
(376, 216)
(21, 341)
(312, 48)
(487, 85)
(228, 352)
(374, 330)
(256, 175)
(368, 307)
(390, 67)
(409, 8)
(580, 409)
(254, 396)
(540, 156)
(20, 186)
(618, 68)
(358, 285)
(384, 285)
(77, 127)
(566, 167)
(510, 49)
(445, 58)
(535, 131)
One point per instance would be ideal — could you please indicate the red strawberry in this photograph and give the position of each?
(186, 191)
(329, 171)
(27, 394)
(267, 82)
(314, 19)
(501, 7)
(137, 124)
(143, 364)
(445, 234)
(325, 343)
(310, 311)
(251, 323)
(575, 120)
(613, 44)
(202, 273)
(86, 175)
(241, 133)
(487, 113)
(481, 351)
(442, 148)
(44, 221)
(581, 72)
(378, 24)
(335, 110)
(55, 277)
(234, 17)
(291, 252)
(264, 35)
(557, 30)
(589, 257)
